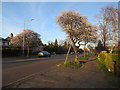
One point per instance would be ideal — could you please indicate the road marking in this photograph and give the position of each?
(29, 59)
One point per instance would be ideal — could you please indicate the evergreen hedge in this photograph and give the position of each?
(108, 59)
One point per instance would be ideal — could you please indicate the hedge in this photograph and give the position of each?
(108, 59)
(14, 51)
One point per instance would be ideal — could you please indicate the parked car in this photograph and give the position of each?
(44, 54)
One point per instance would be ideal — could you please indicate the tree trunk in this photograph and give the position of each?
(28, 52)
(75, 50)
(84, 50)
(112, 43)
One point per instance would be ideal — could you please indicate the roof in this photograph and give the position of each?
(3, 39)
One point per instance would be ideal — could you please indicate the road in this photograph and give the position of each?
(17, 69)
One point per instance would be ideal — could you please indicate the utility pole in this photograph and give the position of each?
(24, 35)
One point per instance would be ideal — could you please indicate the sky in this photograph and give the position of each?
(44, 14)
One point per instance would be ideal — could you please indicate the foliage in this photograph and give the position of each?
(31, 40)
(71, 22)
(91, 48)
(103, 68)
(100, 47)
(116, 50)
(10, 51)
(56, 49)
(56, 43)
(77, 28)
(102, 58)
(107, 59)
(53, 53)
(109, 62)
(117, 59)
(70, 64)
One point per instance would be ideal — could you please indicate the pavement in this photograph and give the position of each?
(88, 76)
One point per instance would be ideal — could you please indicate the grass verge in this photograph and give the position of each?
(70, 64)
(84, 58)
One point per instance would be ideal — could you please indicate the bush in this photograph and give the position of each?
(109, 62)
(117, 59)
(53, 53)
(103, 67)
(108, 59)
(70, 64)
(102, 58)
(11, 52)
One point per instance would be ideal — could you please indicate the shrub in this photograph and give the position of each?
(102, 58)
(11, 52)
(109, 62)
(53, 53)
(117, 59)
(108, 59)
(103, 67)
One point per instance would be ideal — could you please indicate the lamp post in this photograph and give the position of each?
(24, 35)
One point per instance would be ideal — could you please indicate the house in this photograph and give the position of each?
(4, 42)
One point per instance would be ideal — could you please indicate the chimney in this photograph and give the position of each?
(11, 35)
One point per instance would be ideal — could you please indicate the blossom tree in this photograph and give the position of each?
(71, 22)
(89, 34)
(31, 40)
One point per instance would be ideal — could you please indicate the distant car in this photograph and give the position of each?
(44, 54)
(72, 53)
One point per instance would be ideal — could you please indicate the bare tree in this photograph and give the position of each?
(113, 22)
(71, 22)
(104, 26)
(108, 25)
(32, 39)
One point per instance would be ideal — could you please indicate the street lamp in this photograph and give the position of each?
(24, 35)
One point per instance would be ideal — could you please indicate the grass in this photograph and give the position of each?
(70, 64)
(84, 58)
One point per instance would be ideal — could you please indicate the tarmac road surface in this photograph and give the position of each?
(15, 69)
